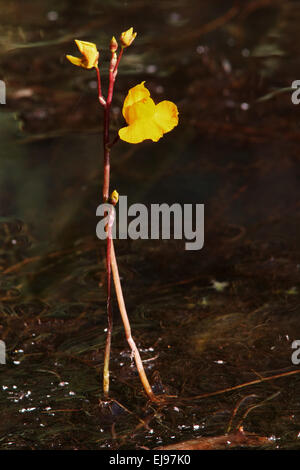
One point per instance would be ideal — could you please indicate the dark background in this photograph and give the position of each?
(204, 321)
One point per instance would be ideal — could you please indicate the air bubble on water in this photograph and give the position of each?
(244, 106)
(62, 384)
(151, 68)
(24, 410)
(93, 84)
(52, 15)
(174, 18)
(245, 52)
(226, 66)
(201, 49)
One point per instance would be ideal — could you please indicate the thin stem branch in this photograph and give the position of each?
(100, 96)
(130, 340)
(114, 141)
(113, 62)
(106, 157)
(109, 309)
(243, 385)
(115, 71)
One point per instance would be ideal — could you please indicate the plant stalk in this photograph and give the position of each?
(111, 262)
(127, 328)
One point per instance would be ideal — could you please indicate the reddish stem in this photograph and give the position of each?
(100, 96)
(115, 71)
(111, 263)
(114, 141)
(112, 64)
(106, 147)
(105, 195)
(106, 154)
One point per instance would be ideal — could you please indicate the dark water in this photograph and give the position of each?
(205, 321)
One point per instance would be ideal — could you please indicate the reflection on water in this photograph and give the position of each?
(205, 321)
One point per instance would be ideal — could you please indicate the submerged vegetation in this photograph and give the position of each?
(215, 327)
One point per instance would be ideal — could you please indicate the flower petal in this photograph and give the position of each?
(89, 52)
(145, 119)
(140, 130)
(127, 37)
(85, 45)
(166, 115)
(135, 94)
(143, 109)
(74, 60)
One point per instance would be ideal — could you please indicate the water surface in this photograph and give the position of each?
(204, 321)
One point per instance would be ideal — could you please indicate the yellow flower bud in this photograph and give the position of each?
(89, 52)
(114, 197)
(113, 44)
(127, 37)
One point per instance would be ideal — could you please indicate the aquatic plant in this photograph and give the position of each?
(145, 120)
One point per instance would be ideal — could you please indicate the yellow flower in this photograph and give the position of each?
(114, 197)
(127, 37)
(145, 119)
(89, 52)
